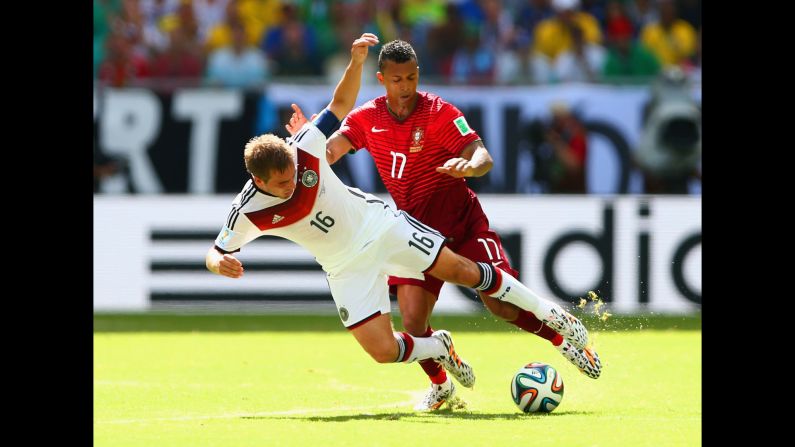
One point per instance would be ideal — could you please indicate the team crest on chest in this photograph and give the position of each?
(309, 178)
(417, 138)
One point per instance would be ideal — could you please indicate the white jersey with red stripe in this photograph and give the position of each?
(331, 220)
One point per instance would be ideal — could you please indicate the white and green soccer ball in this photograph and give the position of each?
(537, 388)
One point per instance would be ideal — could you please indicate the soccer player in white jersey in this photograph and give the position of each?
(358, 239)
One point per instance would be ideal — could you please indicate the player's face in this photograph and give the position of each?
(400, 81)
(280, 184)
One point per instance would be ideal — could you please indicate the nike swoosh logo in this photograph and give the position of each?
(374, 130)
(495, 264)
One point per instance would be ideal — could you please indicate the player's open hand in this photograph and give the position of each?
(297, 121)
(456, 167)
(360, 46)
(229, 266)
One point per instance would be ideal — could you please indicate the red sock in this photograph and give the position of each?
(434, 370)
(528, 322)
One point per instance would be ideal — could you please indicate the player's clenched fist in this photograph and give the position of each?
(360, 45)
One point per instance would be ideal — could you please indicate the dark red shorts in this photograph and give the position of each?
(484, 246)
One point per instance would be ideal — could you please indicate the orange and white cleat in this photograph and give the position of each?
(454, 364)
(437, 396)
(567, 325)
(586, 359)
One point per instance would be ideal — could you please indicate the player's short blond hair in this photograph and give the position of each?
(265, 153)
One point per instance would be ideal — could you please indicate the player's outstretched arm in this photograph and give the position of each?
(344, 99)
(474, 161)
(348, 88)
(223, 264)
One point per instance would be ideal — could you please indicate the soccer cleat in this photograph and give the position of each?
(437, 396)
(454, 364)
(586, 360)
(567, 325)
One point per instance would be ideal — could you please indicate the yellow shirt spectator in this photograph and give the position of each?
(256, 16)
(552, 36)
(673, 45)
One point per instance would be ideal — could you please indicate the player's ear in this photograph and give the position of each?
(258, 181)
(380, 77)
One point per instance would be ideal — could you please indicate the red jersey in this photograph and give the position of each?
(407, 154)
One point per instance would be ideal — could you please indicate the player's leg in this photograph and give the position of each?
(410, 245)
(416, 305)
(362, 299)
(416, 300)
(384, 345)
(498, 284)
(377, 338)
(486, 246)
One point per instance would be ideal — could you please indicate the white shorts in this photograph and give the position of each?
(407, 248)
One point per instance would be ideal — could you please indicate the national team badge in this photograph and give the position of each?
(416, 139)
(344, 314)
(309, 178)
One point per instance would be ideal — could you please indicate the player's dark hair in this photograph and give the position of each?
(265, 153)
(397, 51)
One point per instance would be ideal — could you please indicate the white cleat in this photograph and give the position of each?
(437, 396)
(567, 325)
(586, 359)
(454, 364)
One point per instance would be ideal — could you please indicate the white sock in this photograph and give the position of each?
(412, 348)
(504, 287)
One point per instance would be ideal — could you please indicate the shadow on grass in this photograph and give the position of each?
(424, 417)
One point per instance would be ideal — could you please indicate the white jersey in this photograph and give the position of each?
(332, 221)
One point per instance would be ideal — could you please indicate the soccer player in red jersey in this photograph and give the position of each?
(423, 148)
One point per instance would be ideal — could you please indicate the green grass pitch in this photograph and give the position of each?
(279, 380)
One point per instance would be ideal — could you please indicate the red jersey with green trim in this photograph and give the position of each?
(407, 153)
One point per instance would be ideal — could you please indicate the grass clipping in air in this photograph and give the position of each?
(597, 305)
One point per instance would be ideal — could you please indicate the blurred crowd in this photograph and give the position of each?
(247, 43)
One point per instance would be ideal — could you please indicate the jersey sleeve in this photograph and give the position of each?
(454, 132)
(310, 139)
(238, 230)
(354, 127)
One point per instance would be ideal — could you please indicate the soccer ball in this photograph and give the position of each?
(537, 388)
